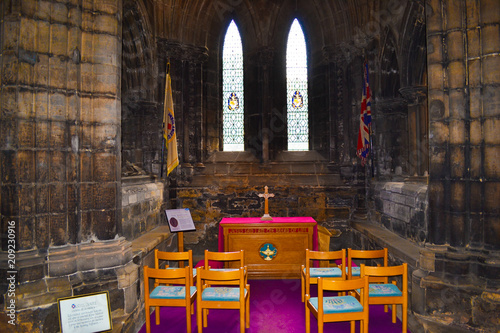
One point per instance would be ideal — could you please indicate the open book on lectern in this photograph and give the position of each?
(180, 220)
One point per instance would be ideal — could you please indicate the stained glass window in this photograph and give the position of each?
(232, 90)
(296, 87)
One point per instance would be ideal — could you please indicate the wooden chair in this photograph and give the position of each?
(309, 274)
(180, 257)
(222, 296)
(389, 293)
(232, 260)
(352, 307)
(169, 295)
(365, 255)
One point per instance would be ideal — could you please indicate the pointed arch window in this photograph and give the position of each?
(296, 86)
(232, 90)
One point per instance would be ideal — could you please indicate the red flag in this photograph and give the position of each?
(365, 119)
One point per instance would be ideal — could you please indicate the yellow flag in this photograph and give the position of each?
(169, 128)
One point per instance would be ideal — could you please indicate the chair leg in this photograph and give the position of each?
(320, 324)
(157, 315)
(353, 326)
(404, 316)
(188, 318)
(308, 319)
(205, 317)
(247, 312)
(242, 320)
(394, 312)
(148, 323)
(302, 291)
(198, 318)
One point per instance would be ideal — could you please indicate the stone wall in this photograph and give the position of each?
(402, 208)
(142, 200)
(229, 184)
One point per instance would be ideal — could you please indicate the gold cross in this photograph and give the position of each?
(266, 196)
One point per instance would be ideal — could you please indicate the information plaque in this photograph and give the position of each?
(180, 220)
(85, 313)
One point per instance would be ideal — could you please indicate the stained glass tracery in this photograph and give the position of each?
(297, 95)
(232, 90)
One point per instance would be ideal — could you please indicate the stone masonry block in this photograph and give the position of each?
(457, 160)
(106, 110)
(106, 6)
(58, 72)
(457, 104)
(473, 43)
(436, 81)
(455, 45)
(434, 17)
(491, 134)
(26, 166)
(59, 12)
(489, 11)
(490, 35)
(490, 100)
(475, 132)
(454, 13)
(105, 48)
(59, 39)
(472, 14)
(107, 24)
(104, 136)
(26, 106)
(104, 167)
(440, 133)
(492, 190)
(435, 49)
(10, 34)
(475, 164)
(107, 78)
(456, 73)
(491, 68)
(492, 162)
(27, 37)
(57, 106)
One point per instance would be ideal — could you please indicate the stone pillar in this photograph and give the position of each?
(464, 148)
(265, 62)
(60, 156)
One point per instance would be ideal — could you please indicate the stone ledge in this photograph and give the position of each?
(400, 247)
(147, 242)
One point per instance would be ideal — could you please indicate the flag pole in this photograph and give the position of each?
(163, 140)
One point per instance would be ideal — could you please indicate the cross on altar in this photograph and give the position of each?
(266, 196)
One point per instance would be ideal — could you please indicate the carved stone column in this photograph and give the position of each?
(418, 143)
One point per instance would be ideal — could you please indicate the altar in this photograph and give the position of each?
(273, 249)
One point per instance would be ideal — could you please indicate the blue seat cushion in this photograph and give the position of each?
(379, 290)
(338, 304)
(325, 272)
(171, 292)
(355, 271)
(222, 294)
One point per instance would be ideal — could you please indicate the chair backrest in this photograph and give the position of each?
(180, 257)
(376, 271)
(174, 275)
(325, 256)
(365, 255)
(236, 259)
(220, 277)
(349, 286)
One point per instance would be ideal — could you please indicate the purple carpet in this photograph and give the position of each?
(275, 307)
